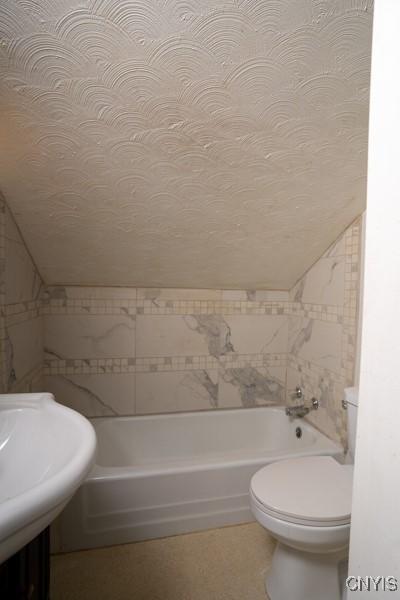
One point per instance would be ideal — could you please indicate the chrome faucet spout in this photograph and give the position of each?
(301, 410)
(297, 411)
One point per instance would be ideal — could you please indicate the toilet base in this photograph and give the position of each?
(302, 575)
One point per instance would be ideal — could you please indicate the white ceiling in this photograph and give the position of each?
(183, 143)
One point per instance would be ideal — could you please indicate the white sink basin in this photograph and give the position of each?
(46, 451)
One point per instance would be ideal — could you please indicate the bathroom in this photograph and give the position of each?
(189, 262)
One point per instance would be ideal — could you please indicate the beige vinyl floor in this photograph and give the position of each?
(219, 564)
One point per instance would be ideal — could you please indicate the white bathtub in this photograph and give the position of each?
(163, 475)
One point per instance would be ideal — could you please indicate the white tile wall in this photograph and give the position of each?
(258, 334)
(176, 391)
(94, 336)
(170, 335)
(95, 395)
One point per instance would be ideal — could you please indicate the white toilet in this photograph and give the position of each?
(305, 504)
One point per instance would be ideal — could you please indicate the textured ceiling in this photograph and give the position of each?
(183, 143)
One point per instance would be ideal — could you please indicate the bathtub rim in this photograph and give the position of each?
(100, 472)
(201, 411)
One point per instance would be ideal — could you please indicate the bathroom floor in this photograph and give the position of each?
(219, 564)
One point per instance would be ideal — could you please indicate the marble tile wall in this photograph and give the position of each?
(124, 351)
(112, 351)
(21, 323)
(323, 331)
(117, 351)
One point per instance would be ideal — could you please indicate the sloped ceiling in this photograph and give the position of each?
(183, 143)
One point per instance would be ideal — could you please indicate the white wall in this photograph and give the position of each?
(358, 341)
(375, 535)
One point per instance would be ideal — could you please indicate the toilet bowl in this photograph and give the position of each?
(305, 504)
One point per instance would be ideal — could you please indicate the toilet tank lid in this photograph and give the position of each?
(351, 395)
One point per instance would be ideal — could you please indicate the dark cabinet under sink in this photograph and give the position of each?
(26, 574)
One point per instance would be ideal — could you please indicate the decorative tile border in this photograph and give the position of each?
(157, 364)
(351, 299)
(320, 312)
(180, 307)
(88, 306)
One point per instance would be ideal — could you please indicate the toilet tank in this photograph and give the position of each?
(351, 400)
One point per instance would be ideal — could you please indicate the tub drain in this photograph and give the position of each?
(299, 432)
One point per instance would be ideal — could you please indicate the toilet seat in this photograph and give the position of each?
(314, 491)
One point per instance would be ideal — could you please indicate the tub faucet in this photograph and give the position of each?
(301, 410)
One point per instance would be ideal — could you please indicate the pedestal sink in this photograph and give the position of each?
(46, 451)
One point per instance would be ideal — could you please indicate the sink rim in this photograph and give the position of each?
(23, 509)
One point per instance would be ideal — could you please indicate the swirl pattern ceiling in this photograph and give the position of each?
(183, 143)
